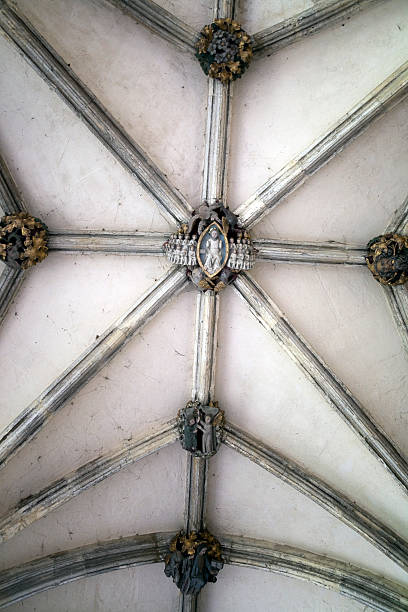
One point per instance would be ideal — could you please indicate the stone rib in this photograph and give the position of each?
(332, 389)
(45, 573)
(10, 283)
(160, 21)
(10, 199)
(306, 23)
(117, 243)
(348, 580)
(398, 301)
(310, 252)
(32, 419)
(36, 506)
(63, 80)
(378, 534)
(390, 92)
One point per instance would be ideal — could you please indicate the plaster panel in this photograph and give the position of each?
(288, 99)
(68, 178)
(142, 498)
(272, 399)
(271, 592)
(63, 305)
(196, 14)
(352, 198)
(365, 350)
(156, 92)
(256, 16)
(142, 387)
(246, 500)
(114, 592)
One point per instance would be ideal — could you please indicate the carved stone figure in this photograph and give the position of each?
(212, 247)
(200, 428)
(387, 259)
(193, 561)
(213, 252)
(23, 240)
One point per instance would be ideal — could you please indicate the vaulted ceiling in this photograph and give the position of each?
(290, 96)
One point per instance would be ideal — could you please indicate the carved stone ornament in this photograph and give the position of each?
(387, 259)
(201, 428)
(212, 247)
(193, 561)
(224, 50)
(23, 240)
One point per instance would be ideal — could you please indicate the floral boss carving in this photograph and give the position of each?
(200, 428)
(387, 259)
(23, 240)
(212, 247)
(193, 561)
(224, 50)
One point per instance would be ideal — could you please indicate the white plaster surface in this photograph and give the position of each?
(124, 590)
(71, 181)
(289, 99)
(279, 593)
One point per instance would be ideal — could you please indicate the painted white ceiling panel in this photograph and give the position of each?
(352, 198)
(156, 92)
(196, 13)
(271, 592)
(345, 316)
(272, 399)
(143, 498)
(246, 500)
(60, 175)
(128, 398)
(125, 590)
(289, 99)
(61, 308)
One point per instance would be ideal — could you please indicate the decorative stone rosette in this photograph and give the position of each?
(23, 240)
(224, 50)
(193, 561)
(201, 428)
(212, 247)
(387, 259)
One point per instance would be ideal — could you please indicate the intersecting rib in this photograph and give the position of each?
(23, 581)
(160, 21)
(10, 283)
(333, 390)
(64, 81)
(318, 491)
(118, 243)
(398, 300)
(344, 578)
(309, 252)
(399, 221)
(205, 347)
(10, 199)
(26, 580)
(36, 506)
(306, 23)
(390, 92)
(30, 421)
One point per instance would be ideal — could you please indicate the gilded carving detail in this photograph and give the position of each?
(224, 50)
(193, 560)
(212, 247)
(23, 240)
(201, 428)
(387, 259)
